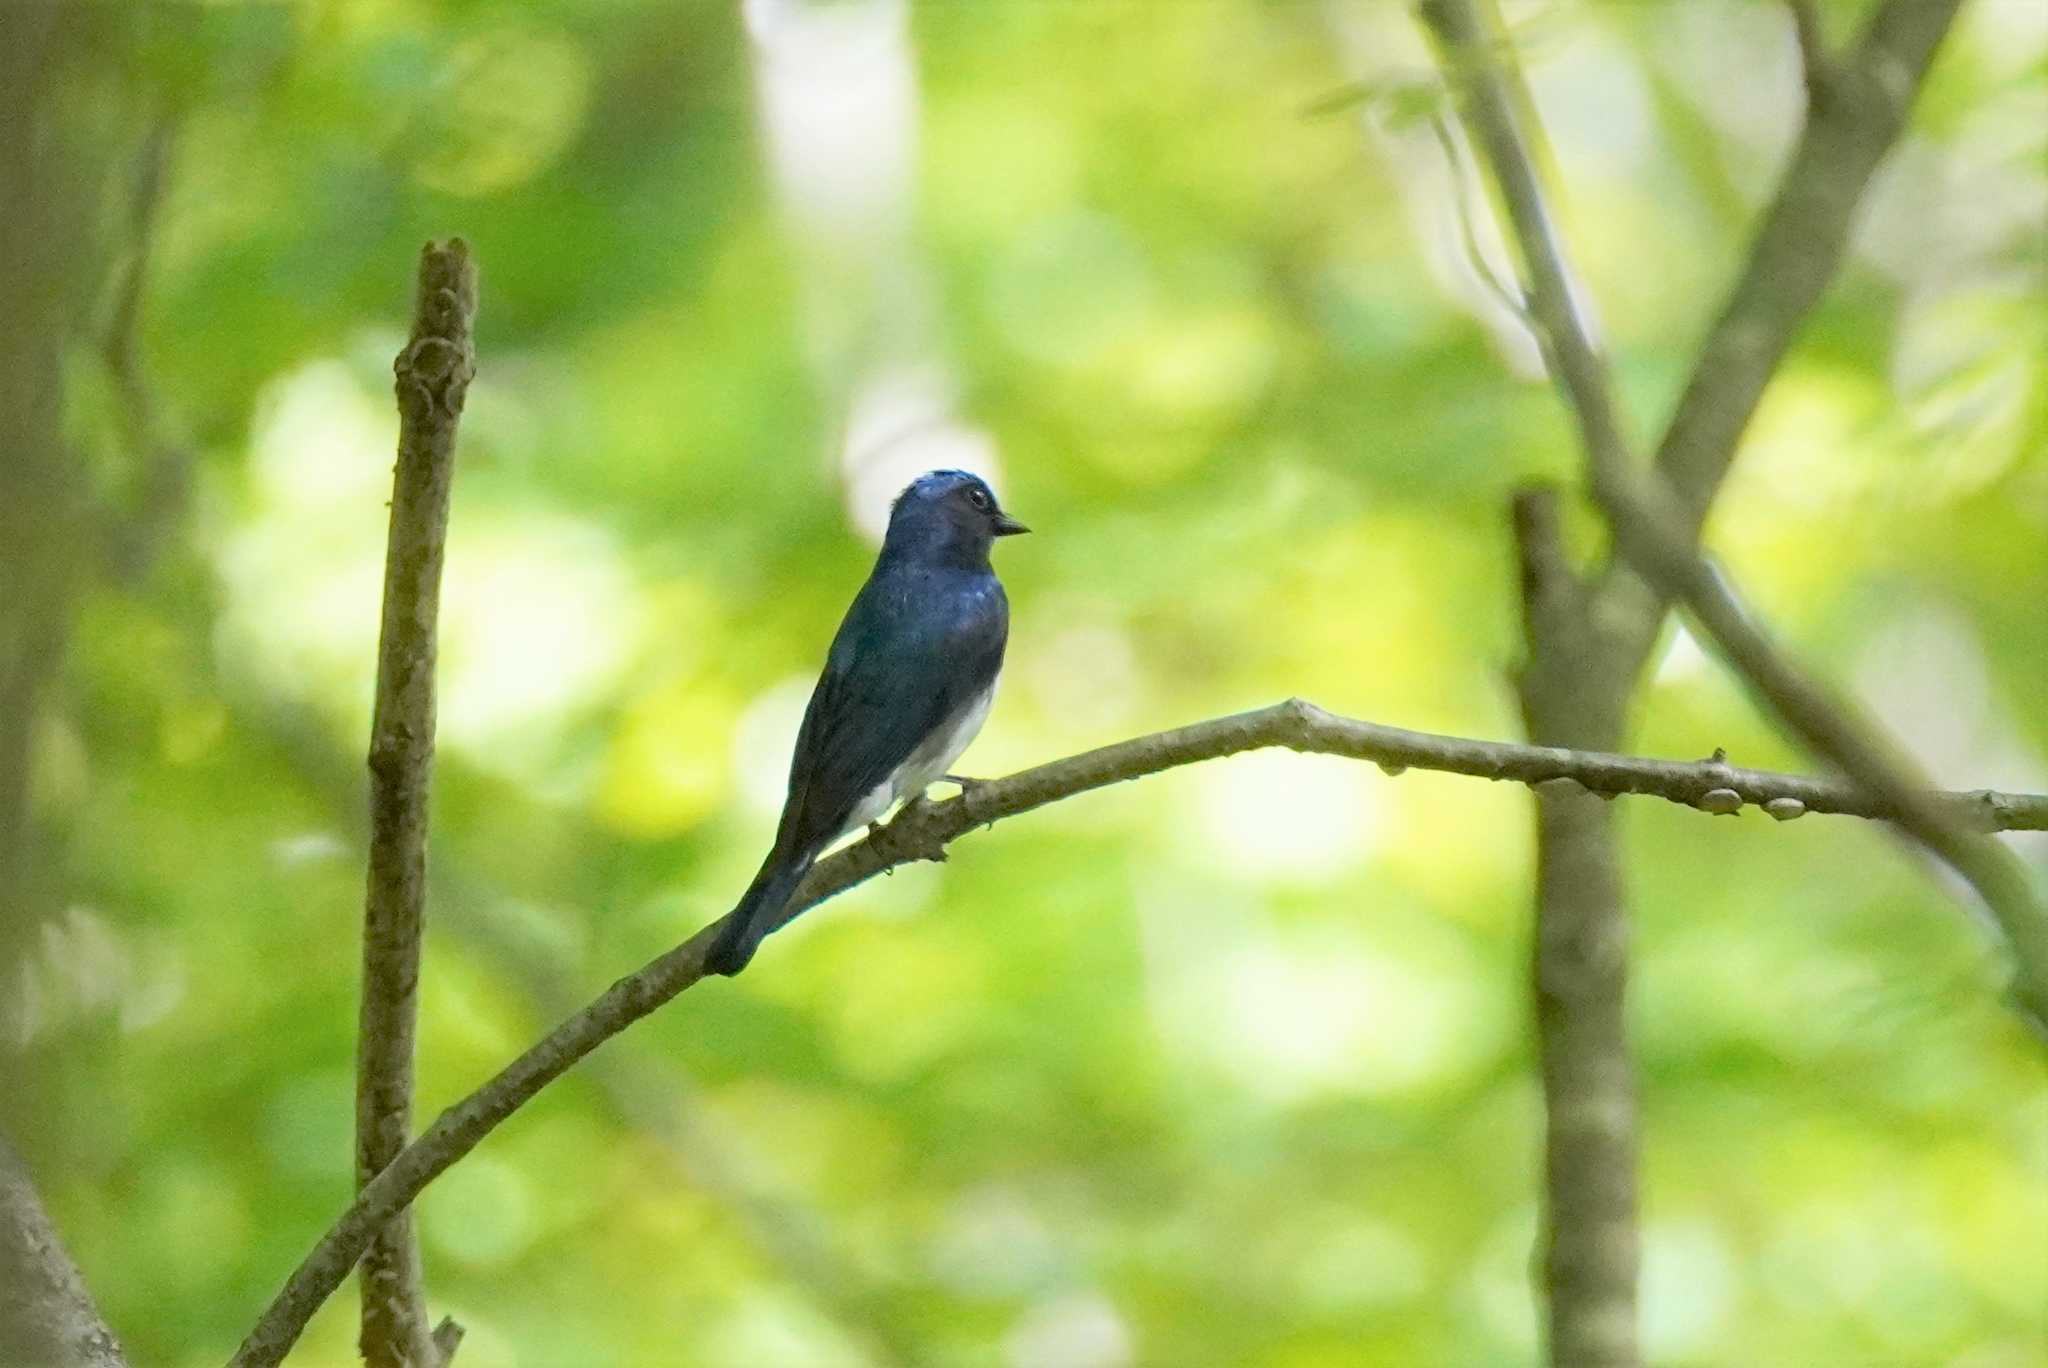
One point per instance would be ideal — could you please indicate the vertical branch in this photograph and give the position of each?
(1574, 692)
(1868, 98)
(43, 183)
(1575, 685)
(1599, 633)
(48, 167)
(433, 373)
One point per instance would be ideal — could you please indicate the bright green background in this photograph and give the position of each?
(1229, 1067)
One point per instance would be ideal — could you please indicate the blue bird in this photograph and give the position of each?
(906, 686)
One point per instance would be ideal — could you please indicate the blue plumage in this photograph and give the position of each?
(906, 686)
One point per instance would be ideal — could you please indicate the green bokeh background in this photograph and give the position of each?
(1231, 1066)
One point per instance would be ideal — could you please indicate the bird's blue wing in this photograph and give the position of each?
(914, 651)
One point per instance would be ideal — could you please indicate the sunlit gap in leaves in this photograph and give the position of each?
(1070, 1330)
(763, 740)
(1925, 675)
(1375, 1000)
(80, 970)
(837, 91)
(1277, 817)
(1403, 107)
(539, 617)
(901, 426)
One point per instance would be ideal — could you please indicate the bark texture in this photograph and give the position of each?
(922, 831)
(46, 1316)
(1574, 687)
(1588, 638)
(433, 373)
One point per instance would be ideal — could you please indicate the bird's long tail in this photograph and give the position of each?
(741, 932)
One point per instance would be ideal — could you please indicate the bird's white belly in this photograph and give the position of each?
(925, 764)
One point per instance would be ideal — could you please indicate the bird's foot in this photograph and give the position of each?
(913, 843)
(898, 845)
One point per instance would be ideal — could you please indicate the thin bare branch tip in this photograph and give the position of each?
(1817, 62)
(447, 1338)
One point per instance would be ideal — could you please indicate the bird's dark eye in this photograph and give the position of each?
(979, 498)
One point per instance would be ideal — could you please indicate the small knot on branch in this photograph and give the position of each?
(1298, 720)
(1992, 811)
(1722, 802)
(438, 361)
(446, 293)
(910, 835)
(447, 1338)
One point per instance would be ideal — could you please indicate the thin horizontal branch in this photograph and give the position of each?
(1714, 786)
(922, 831)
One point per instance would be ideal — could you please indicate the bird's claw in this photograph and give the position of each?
(966, 785)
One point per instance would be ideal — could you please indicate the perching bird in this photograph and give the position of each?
(906, 686)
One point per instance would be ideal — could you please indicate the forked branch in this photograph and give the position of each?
(1654, 529)
(923, 831)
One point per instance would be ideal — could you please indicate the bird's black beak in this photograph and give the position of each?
(1007, 526)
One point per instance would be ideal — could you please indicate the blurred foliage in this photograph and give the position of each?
(1229, 1067)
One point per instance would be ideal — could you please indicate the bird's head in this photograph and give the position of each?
(948, 513)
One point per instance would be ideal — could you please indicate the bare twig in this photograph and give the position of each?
(644, 1091)
(1799, 244)
(1853, 120)
(659, 1103)
(46, 1315)
(923, 830)
(1574, 689)
(1833, 727)
(1815, 61)
(1652, 531)
(433, 373)
(1490, 104)
(164, 461)
(1465, 188)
